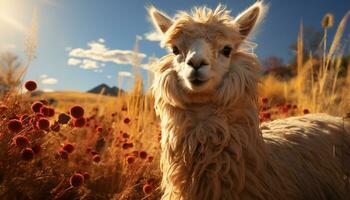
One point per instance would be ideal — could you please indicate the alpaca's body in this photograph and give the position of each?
(304, 157)
(308, 157)
(212, 146)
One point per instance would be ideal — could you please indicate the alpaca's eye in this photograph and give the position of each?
(176, 50)
(226, 51)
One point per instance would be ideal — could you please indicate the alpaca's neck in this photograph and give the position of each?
(210, 146)
(214, 148)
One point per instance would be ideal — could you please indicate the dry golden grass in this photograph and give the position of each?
(63, 100)
(317, 85)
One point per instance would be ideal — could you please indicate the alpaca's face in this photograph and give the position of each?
(199, 62)
(203, 44)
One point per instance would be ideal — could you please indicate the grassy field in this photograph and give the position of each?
(63, 100)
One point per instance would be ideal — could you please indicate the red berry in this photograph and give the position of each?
(63, 118)
(21, 141)
(266, 115)
(147, 188)
(27, 154)
(68, 147)
(150, 158)
(39, 115)
(51, 112)
(285, 109)
(96, 158)
(143, 154)
(30, 85)
(77, 112)
(125, 145)
(130, 159)
(36, 106)
(264, 108)
(63, 153)
(86, 176)
(44, 102)
(55, 127)
(43, 124)
(76, 180)
(80, 122)
(264, 100)
(306, 111)
(93, 152)
(14, 125)
(99, 129)
(126, 120)
(3, 109)
(44, 110)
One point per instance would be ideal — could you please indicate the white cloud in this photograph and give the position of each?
(101, 40)
(68, 48)
(124, 74)
(109, 76)
(138, 37)
(73, 61)
(89, 64)
(97, 51)
(151, 60)
(48, 90)
(153, 36)
(49, 81)
(43, 76)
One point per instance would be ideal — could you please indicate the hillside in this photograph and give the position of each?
(105, 90)
(66, 99)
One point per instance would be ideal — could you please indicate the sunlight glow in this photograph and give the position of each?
(9, 14)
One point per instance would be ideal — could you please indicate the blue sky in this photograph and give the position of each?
(112, 25)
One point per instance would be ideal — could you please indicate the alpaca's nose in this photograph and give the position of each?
(196, 64)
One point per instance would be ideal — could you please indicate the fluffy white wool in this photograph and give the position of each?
(214, 149)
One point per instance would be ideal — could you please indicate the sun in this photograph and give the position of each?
(11, 11)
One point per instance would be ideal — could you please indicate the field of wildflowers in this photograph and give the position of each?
(47, 153)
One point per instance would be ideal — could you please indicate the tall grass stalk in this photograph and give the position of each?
(317, 85)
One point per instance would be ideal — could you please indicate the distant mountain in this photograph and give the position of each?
(105, 90)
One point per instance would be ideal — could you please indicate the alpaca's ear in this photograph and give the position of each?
(159, 20)
(250, 18)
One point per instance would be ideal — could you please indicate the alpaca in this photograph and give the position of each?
(205, 93)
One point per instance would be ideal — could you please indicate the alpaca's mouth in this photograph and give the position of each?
(197, 82)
